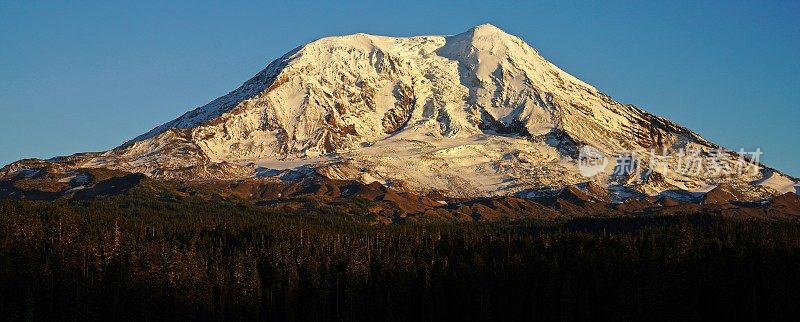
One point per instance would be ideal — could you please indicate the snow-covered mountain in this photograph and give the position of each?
(475, 114)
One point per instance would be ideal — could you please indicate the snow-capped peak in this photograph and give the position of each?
(488, 37)
(477, 113)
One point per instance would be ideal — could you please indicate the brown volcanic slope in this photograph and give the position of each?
(316, 193)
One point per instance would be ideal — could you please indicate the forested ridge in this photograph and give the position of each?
(144, 258)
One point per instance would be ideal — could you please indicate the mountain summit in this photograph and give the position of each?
(480, 113)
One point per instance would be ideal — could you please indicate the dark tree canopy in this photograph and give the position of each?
(140, 258)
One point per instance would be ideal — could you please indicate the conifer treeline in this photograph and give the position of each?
(133, 258)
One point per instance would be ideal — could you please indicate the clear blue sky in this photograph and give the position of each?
(89, 76)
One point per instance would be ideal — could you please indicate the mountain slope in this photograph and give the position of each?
(475, 114)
